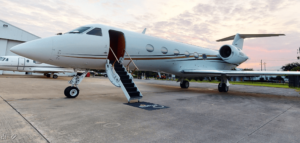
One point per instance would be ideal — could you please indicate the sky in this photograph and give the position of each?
(196, 22)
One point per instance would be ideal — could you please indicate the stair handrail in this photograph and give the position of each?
(114, 54)
(136, 68)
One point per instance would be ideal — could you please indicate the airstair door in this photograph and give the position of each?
(21, 64)
(117, 45)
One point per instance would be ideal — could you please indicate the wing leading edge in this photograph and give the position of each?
(236, 73)
(54, 70)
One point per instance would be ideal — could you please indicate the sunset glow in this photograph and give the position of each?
(194, 22)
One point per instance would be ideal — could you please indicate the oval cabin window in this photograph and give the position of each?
(164, 50)
(204, 57)
(196, 55)
(176, 52)
(187, 54)
(149, 48)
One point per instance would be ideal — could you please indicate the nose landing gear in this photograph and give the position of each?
(73, 91)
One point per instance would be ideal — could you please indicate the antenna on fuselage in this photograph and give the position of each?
(144, 31)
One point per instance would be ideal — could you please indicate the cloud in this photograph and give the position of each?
(190, 21)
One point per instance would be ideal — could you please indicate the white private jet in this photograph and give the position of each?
(21, 64)
(118, 51)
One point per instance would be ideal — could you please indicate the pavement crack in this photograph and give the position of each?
(25, 119)
(265, 124)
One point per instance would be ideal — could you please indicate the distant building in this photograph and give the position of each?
(11, 36)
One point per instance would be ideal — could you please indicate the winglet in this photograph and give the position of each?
(144, 31)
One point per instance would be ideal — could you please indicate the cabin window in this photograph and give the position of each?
(164, 50)
(149, 48)
(96, 32)
(187, 54)
(1, 58)
(176, 52)
(79, 30)
(196, 55)
(34, 61)
(27, 61)
(6, 59)
(204, 57)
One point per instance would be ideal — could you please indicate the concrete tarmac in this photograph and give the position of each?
(34, 109)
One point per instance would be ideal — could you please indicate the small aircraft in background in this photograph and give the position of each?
(21, 64)
(119, 51)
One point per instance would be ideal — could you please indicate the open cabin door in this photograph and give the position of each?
(117, 44)
(21, 63)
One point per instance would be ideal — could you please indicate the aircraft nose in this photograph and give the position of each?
(39, 50)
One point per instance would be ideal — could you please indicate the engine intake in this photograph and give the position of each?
(225, 51)
(232, 54)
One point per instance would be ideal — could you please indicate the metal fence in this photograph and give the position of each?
(294, 81)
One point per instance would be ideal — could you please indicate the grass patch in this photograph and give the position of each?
(278, 85)
(266, 84)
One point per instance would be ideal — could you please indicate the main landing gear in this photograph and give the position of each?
(51, 75)
(73, 91)
(224, 85)
(184, 84)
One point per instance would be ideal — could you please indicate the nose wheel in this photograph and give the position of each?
(71, 92)
(222, 87)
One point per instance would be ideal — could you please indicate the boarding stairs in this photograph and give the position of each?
(119, 76)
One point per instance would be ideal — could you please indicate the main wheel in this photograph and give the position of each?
(48, 75)
(185, 84)
(55, 76)
(71, 92)
(225, 88)
(220, 87)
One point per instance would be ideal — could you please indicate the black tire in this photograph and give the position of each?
(185, 84)
(105, 75)
(71, 92)
(48, 75)
(225, 88)
(55, 76)
(67, 90)
(220, 88)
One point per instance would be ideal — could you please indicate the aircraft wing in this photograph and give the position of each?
(237, 73)
(53, 70)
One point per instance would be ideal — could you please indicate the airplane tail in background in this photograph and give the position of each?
(238, 39)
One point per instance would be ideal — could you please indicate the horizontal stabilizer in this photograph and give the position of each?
(249, 36)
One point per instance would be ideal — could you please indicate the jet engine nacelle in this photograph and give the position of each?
(232, 54)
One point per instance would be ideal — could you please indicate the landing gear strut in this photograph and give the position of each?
(73, 91)
(184, 84)
(224, 85)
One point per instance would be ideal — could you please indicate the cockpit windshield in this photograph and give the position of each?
(79, 30)
(2, 59)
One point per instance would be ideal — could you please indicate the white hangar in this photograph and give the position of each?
(10, 36)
